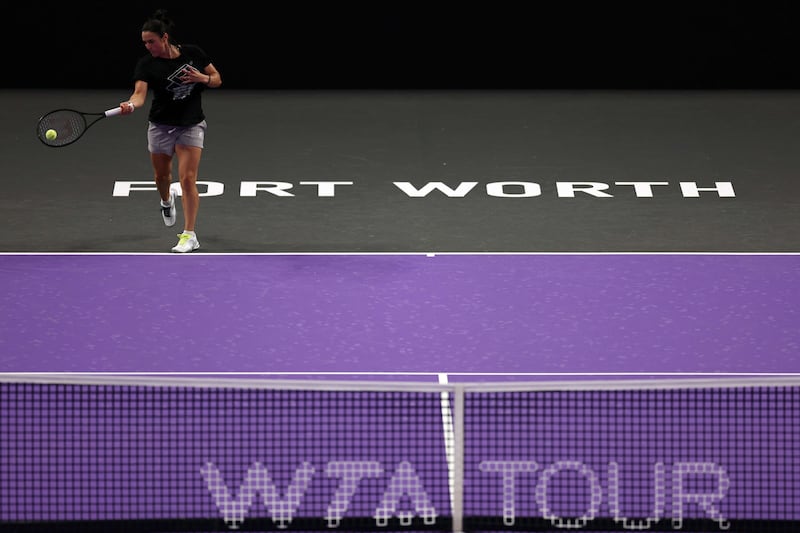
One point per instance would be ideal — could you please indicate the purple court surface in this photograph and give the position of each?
(412, 314)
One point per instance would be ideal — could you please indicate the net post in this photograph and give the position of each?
(458, 459)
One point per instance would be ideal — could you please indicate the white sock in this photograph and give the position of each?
(189, 233)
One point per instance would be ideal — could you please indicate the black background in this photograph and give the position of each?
(419, 45)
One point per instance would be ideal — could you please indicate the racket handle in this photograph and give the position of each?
(118, 110)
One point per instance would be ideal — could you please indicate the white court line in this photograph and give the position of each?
(392, 373)
(427, 254)
(449, 439)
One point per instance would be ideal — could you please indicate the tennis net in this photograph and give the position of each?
(156, 454)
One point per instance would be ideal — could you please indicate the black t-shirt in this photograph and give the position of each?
(174, 103)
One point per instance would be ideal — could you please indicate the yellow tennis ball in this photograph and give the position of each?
(51, 134)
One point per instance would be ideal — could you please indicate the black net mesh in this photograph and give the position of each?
(123, 458)
(134, 457)
(615, 460)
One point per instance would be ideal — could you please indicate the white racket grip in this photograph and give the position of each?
(114, 111)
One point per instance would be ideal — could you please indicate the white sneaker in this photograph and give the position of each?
(168, 212)
(186, 243)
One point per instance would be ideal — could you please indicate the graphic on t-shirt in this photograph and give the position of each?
(179, 89)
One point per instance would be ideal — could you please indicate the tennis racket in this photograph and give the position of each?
(69, 125)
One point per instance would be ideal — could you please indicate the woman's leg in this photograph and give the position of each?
(188, 166)
(162, 169)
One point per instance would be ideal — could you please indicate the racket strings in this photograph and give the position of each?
(68, 125)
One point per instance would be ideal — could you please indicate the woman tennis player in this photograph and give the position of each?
(177, 74)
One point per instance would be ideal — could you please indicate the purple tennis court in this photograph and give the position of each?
(413, 313)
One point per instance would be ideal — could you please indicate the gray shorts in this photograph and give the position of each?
(161, 138)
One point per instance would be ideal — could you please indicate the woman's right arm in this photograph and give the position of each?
(136, 99)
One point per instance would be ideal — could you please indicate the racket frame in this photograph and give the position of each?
(88, 118)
